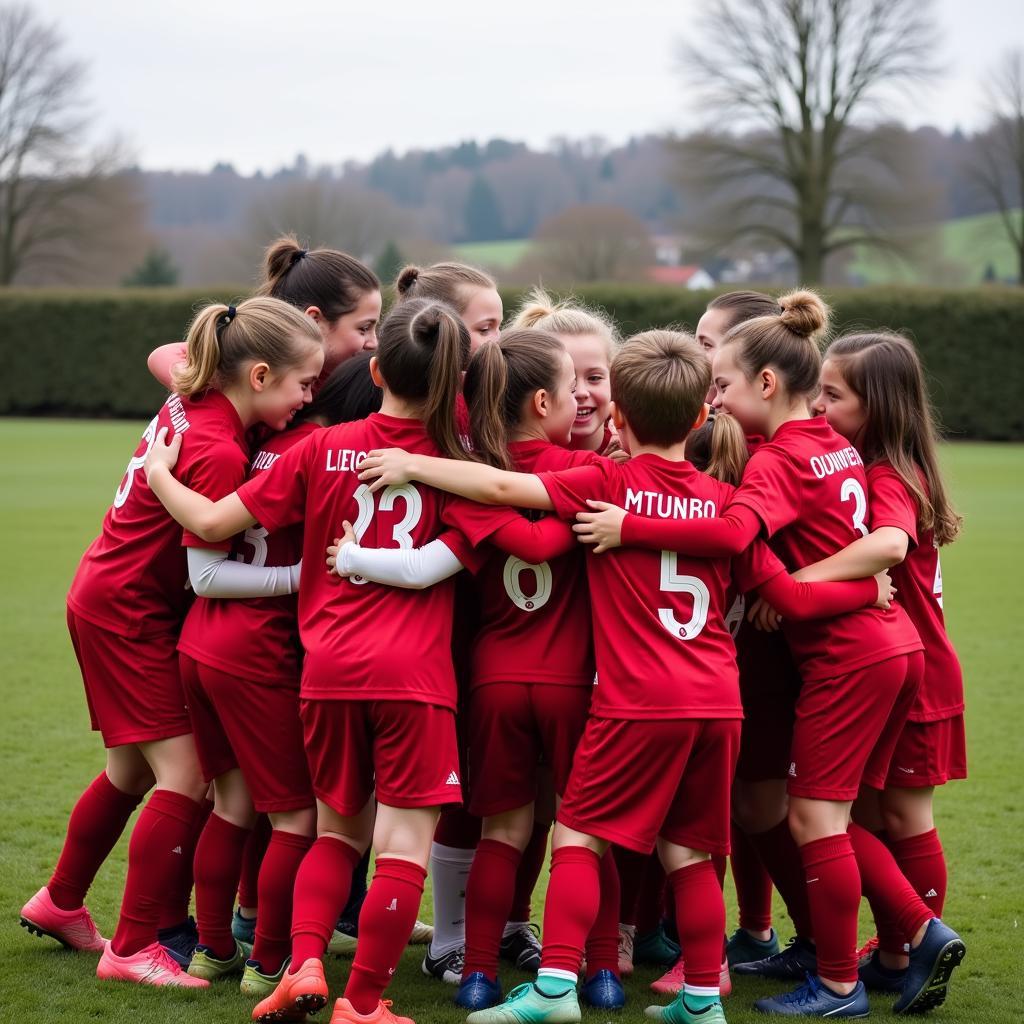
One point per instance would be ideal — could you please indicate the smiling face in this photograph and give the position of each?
(352, 332)
(482, 315)
(561, 416)
(741, 398)
(839, 404)
(284, 394)
(589, 353)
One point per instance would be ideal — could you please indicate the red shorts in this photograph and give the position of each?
(929, 754)
(241, 724)
(847, 728)
(769, 686)
(406, 751)
(512, 728)
(633, 781)
(132, 685)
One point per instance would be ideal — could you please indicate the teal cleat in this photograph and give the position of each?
(655, 948)
(677, 1012)
(743, 948)
(526, 1004)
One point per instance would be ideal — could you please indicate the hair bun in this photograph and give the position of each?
(281, 254)
(538, 305)
(407, 278)
(804, 313)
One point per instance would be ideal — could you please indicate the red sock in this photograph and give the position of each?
(922, 861)
(322, 885)
(255, 848)
(631, 867)
(833, 892)
(488, 897)
(651, 905)
(571, 907)
(891, 896)
(385, 924)
(280, 865)
(217, 865)
(96, 823)
(178, 888)
(161, 838)
(753, 883)
(530, 867)
(781, 857)
(700, 919)
(602, 945)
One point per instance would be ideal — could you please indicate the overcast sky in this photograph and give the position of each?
(254, 82)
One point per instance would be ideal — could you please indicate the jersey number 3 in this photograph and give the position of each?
(401, 533)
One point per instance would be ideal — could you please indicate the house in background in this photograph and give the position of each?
(692, 278)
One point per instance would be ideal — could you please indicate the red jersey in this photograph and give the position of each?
(535, 619)
(255, 638)
(918, 582)
(808, 487)
(363, 641)
(662, 644)
(132, 579)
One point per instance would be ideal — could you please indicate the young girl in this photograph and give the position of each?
(806, 489)
(590, 338)
(252, 365)
(336, 291)
(873, 393)
(377, 697)
(532, 665)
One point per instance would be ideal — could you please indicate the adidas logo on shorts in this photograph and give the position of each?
(177, 849)
(452, 780)
(930, 893)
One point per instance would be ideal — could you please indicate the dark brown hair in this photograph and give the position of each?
(719, 448)
(451, 283)
(502, 375)
(659, 380)
(883, 370)
(222, 338)
(348, 394)
(786, 341)
(744, 306)
(329, 279)
(422, 350)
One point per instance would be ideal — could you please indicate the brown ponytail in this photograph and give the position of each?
(422, 352)
(786, 341)
(718, 448)
(450, 283)
(502, 375)
(331, 280)
(222, 338)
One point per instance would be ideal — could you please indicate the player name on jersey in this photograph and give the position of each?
(668, 506)
(343, 460)
(179, 418)
(834, 462)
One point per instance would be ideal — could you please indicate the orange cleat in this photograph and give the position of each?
(297, 994)
(71, 928)
(150, 966)
(865, 951)
(345, 1014)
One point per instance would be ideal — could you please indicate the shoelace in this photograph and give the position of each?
(531, 932)
(162, 960)
(806, 993)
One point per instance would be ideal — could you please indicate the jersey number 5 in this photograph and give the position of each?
(674, 583)
(402, 531)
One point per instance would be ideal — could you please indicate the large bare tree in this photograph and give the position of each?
(57, 198)
(791, 89)
(999, 164)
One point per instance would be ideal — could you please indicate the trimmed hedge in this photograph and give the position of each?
(83, 353)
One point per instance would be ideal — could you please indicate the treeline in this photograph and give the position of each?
(79, 353)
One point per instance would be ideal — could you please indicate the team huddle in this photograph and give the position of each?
(702, 619)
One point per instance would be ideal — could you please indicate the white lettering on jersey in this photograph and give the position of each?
(264, 460)
(668, 506)
(343, 460)
(835, 462)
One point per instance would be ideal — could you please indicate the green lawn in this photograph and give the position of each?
(493, 255)
(56, 480)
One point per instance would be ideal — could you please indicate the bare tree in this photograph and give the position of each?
(999, 164)
(50, 188)
(591, 243)
(788, 85)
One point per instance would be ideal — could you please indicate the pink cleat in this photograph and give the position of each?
(671, 982)
(150, 966)
(71, 928)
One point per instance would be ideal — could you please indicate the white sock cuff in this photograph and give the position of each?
(451, 854)
(555, 972)
(701, 990)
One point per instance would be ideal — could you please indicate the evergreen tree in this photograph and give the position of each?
(156, 270)
(389, 263)
(482, 214)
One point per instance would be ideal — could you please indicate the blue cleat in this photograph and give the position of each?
(879, 978)
(180, 941)
(743, 948)
(813, 999)
(478, 992)
(604, 991)
(941, 951)
(243, 928)
(794, 963)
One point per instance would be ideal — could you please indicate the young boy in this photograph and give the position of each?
(666, 677)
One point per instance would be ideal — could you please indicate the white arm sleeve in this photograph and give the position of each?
(410, 568)
(214, 574)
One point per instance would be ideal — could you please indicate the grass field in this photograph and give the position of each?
(493, 255)
(56, 480)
